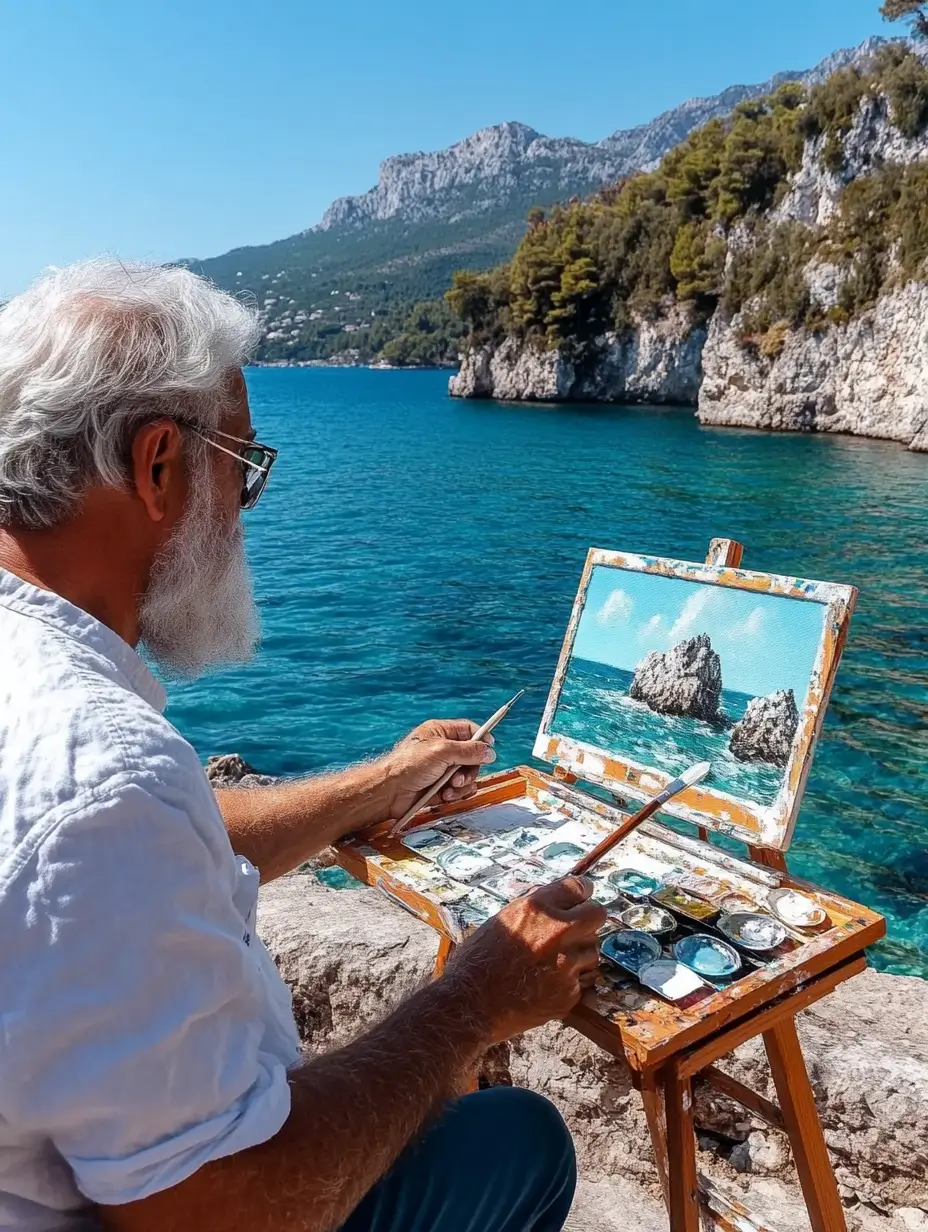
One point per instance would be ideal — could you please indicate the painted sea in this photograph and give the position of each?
(417, 556)
(595, 707)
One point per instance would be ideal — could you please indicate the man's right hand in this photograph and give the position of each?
(529, 964)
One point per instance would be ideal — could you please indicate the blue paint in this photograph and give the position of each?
(631, 950)
(636, 885)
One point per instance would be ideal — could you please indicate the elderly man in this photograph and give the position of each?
(150, 1071)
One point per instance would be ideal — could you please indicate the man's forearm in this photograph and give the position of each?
(278, 826)
(352, 1113)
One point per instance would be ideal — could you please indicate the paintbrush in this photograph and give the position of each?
(686, 779)
(449, 774)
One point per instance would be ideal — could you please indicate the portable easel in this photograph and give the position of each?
(666, 1047)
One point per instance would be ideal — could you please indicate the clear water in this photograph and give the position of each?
(418, 556)
(595, 707)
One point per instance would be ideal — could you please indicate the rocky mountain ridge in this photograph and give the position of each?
(350, 288)
(508, 160)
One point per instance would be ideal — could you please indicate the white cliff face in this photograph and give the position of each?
(477, 174)
(869, 377)
(872, 142)
(657, 362)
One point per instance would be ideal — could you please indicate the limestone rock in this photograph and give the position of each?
(867, 377)
(766, 731)
(656, 362)
(686, 680)
(350, 955)
(231, 770)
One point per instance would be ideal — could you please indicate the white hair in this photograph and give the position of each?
(92, 351)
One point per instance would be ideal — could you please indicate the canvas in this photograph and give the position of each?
(668, 663)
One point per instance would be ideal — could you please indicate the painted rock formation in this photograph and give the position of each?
(687, 680)
(767, 729)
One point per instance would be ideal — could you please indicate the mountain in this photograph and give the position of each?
(350, 282)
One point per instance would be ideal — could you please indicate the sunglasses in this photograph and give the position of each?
(256, 460)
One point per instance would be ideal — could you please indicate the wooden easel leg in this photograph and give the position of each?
(797, 1103)
(654, 1112)
(681, 1152)
(445, 948)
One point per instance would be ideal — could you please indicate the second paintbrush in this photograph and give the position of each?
(686, 779)
(449, 774)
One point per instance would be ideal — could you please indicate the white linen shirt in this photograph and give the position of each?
(144, 1028)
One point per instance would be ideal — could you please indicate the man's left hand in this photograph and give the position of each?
(426, 753)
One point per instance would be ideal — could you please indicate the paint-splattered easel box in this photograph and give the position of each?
(664, 663)
(519, 803)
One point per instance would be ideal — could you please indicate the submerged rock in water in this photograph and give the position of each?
(766, 731)
(231, 770)
(687, 680)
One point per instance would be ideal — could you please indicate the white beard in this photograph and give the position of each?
(200, 610)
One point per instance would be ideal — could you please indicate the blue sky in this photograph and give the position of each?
(187, 127)
(765, 642)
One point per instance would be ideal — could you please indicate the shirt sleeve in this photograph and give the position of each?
(138, 1039)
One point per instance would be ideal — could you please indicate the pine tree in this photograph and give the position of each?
(915, 12)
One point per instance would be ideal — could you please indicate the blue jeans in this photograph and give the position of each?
(500, 1160)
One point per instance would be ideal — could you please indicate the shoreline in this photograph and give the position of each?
(373, 366)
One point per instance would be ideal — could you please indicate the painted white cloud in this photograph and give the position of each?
(617, 607)
(686, 624)
(751, 627)
(651, 630)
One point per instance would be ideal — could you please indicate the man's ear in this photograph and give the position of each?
(157, 470)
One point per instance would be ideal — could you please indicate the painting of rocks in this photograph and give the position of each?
(666, 672)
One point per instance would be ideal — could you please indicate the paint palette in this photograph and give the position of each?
(684, 904)
(634, 883)
(464, 863)
(513, 883)
(648, 919)
(708, 956)
(671, 979)
(560, 857)
(630, 950)
(753, 931)
(795, 909)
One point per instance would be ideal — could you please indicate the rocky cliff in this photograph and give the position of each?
(766, 730)
(686, 680)
(815, 317)
(656, 362)
(868, 377)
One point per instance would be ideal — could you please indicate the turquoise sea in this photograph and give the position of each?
(418, 556)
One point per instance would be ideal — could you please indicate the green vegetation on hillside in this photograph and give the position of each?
(697, 231)
(355, 290)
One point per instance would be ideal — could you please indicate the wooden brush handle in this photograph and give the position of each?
(611, 840)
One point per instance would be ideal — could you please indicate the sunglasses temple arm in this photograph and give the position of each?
(232, 454)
